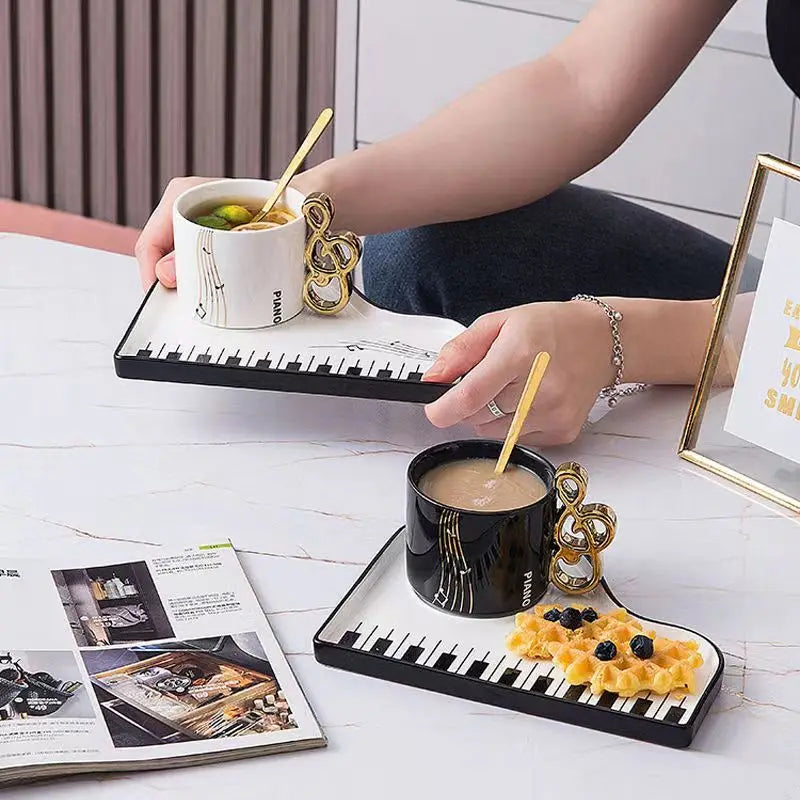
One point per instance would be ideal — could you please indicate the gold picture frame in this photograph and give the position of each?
(747, 466)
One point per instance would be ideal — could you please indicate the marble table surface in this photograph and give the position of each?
(309, 488)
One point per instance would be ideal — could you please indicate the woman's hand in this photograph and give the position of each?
(154, 245)
(495, 355)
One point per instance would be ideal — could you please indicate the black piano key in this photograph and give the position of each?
(444, 661)
(541, 684)
(349, 638)
(412, 654)
(414, 376)
(293, 366)
(174, 355)
(233, 361)
(353, 372)
(675, 714)
(381, 646)
(477, 668)
(323, 369)
(145, 352)
(203, 358)
(574, 692)
(263, 363)
(641, 706)
(508, 677)
(607, 699)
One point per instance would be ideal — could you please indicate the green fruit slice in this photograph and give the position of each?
(211, 221)
(236, 215)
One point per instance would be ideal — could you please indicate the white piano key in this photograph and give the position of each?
(498, 665)
(398, 648)
(578, 694)
(538, 668)
(477, 665)
(559, 684)
(630, 702)
(619, 703)
(659, 703)
(464, 660)
(460, 653)
(428, 654)
(672, 702)
(593, 699)
(364, 643)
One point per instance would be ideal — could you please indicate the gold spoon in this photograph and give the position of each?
(316, 130)
(523, 407)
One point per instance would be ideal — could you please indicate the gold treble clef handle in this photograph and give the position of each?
(328, 256)
(581, 530)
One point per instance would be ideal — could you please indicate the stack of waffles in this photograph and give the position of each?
(670, 667)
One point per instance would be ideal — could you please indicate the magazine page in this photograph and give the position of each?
(166, 657)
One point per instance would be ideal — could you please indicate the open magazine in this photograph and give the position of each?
(164, 661)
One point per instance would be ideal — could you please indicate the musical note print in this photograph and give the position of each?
(211, 300)
(395, 348)
(455, 577)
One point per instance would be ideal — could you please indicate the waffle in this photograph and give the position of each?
(533, 635)
(670, 668)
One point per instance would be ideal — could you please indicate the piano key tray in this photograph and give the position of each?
(363, 351)
(383, 630)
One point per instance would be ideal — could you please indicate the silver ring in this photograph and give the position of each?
(495, 409)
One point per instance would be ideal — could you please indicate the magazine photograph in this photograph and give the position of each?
(182, 690)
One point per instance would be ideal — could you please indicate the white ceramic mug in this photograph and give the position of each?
(239, 279)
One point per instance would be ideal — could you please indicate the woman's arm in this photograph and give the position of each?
(523, 133)
(664, 341)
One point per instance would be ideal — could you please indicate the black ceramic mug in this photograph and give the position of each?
(496, 563)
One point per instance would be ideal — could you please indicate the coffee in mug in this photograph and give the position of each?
(473, 485)
(493, 562)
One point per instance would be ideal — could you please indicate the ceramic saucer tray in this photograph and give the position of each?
(362, 351)
(382, 629)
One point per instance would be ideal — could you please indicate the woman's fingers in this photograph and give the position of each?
(483, 383)
(506, 401)
(546, 426)
(165, 270)
(461, 354)
(156, 241)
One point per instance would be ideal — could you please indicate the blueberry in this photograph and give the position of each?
(570, 618)
(605, 651)
(589, 614)
(552, 615)
(642, 646)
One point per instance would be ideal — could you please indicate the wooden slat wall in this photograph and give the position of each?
(102, 102)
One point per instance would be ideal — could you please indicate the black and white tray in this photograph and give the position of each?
(383, 630)
(363, 351)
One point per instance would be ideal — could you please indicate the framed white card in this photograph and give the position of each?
(765, 402)
(743, 423)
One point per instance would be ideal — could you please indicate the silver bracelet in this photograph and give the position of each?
(613, 394)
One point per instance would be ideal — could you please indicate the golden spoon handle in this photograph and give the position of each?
(317, 129)
(523, 407)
